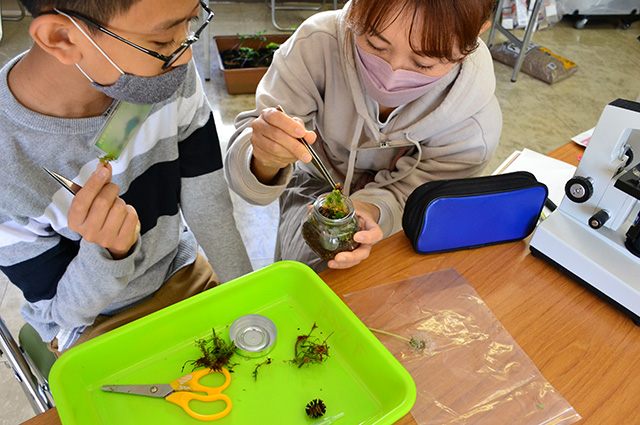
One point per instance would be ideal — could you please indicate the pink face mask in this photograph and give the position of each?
(388, 87)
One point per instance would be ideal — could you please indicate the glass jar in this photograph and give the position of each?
(329, 236)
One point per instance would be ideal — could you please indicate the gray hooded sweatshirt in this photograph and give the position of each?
(450, 132)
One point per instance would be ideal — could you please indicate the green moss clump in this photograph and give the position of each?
(215, 353)
(107, 158)
(334, 206)
(310, 349)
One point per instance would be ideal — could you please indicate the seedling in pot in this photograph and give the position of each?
(243, 56)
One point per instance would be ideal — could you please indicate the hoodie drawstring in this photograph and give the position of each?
(353, 153)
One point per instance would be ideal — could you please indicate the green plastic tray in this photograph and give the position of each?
(360, 378)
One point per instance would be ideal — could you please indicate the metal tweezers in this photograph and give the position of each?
(315, 159)
(65, 182)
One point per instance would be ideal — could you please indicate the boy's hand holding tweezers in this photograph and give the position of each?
(99, 215)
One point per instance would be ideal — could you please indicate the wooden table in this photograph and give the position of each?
(585, 348)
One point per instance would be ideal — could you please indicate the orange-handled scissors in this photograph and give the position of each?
(181, 392)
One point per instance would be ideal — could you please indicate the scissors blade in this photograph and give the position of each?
(65, 182)
(316, 159)
(159, 390)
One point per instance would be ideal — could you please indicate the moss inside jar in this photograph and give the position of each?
(328, 227)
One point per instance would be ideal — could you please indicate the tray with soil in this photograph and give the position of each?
(244, 59)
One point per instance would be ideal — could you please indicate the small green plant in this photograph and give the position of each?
(106, 158)
(272, 46)
(251, 53)
(310, 350)
(246, 54)
(260, 35)
(241, 55)
(334, 206)
(255, 371)
(215, 353)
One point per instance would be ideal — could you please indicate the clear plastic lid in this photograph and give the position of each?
(253, 334)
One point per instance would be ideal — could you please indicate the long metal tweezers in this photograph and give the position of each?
(316, 160)
(65, 182)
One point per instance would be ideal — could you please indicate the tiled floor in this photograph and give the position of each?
(536, 115)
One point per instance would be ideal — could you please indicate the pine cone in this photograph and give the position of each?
(315, 408)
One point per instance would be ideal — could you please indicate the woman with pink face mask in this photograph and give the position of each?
(390, 93)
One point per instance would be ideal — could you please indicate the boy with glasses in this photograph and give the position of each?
(119, 248)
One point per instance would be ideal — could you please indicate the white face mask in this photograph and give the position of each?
(388, 87)
(132, 88)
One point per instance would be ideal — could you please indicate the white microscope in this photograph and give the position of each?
(594, 234)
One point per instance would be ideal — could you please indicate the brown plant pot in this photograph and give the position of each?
(244, 80)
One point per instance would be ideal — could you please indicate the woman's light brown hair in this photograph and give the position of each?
(446, 28)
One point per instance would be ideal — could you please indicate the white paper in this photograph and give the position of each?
(551, 10)
(550, 171)
(522, 15)
(583, 138)
(507, 23)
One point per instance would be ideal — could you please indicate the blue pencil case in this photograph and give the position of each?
(448, 215)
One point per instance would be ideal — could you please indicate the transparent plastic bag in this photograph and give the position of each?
(467, 368)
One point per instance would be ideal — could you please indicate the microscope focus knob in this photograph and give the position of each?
(598, 219)
(579, 189)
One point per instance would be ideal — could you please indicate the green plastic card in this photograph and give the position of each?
(121, 126)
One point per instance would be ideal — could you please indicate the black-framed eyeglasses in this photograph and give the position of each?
(168, 60)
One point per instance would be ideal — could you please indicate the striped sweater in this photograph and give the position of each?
(173, 168)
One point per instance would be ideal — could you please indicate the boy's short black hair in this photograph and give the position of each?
(99, 11)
